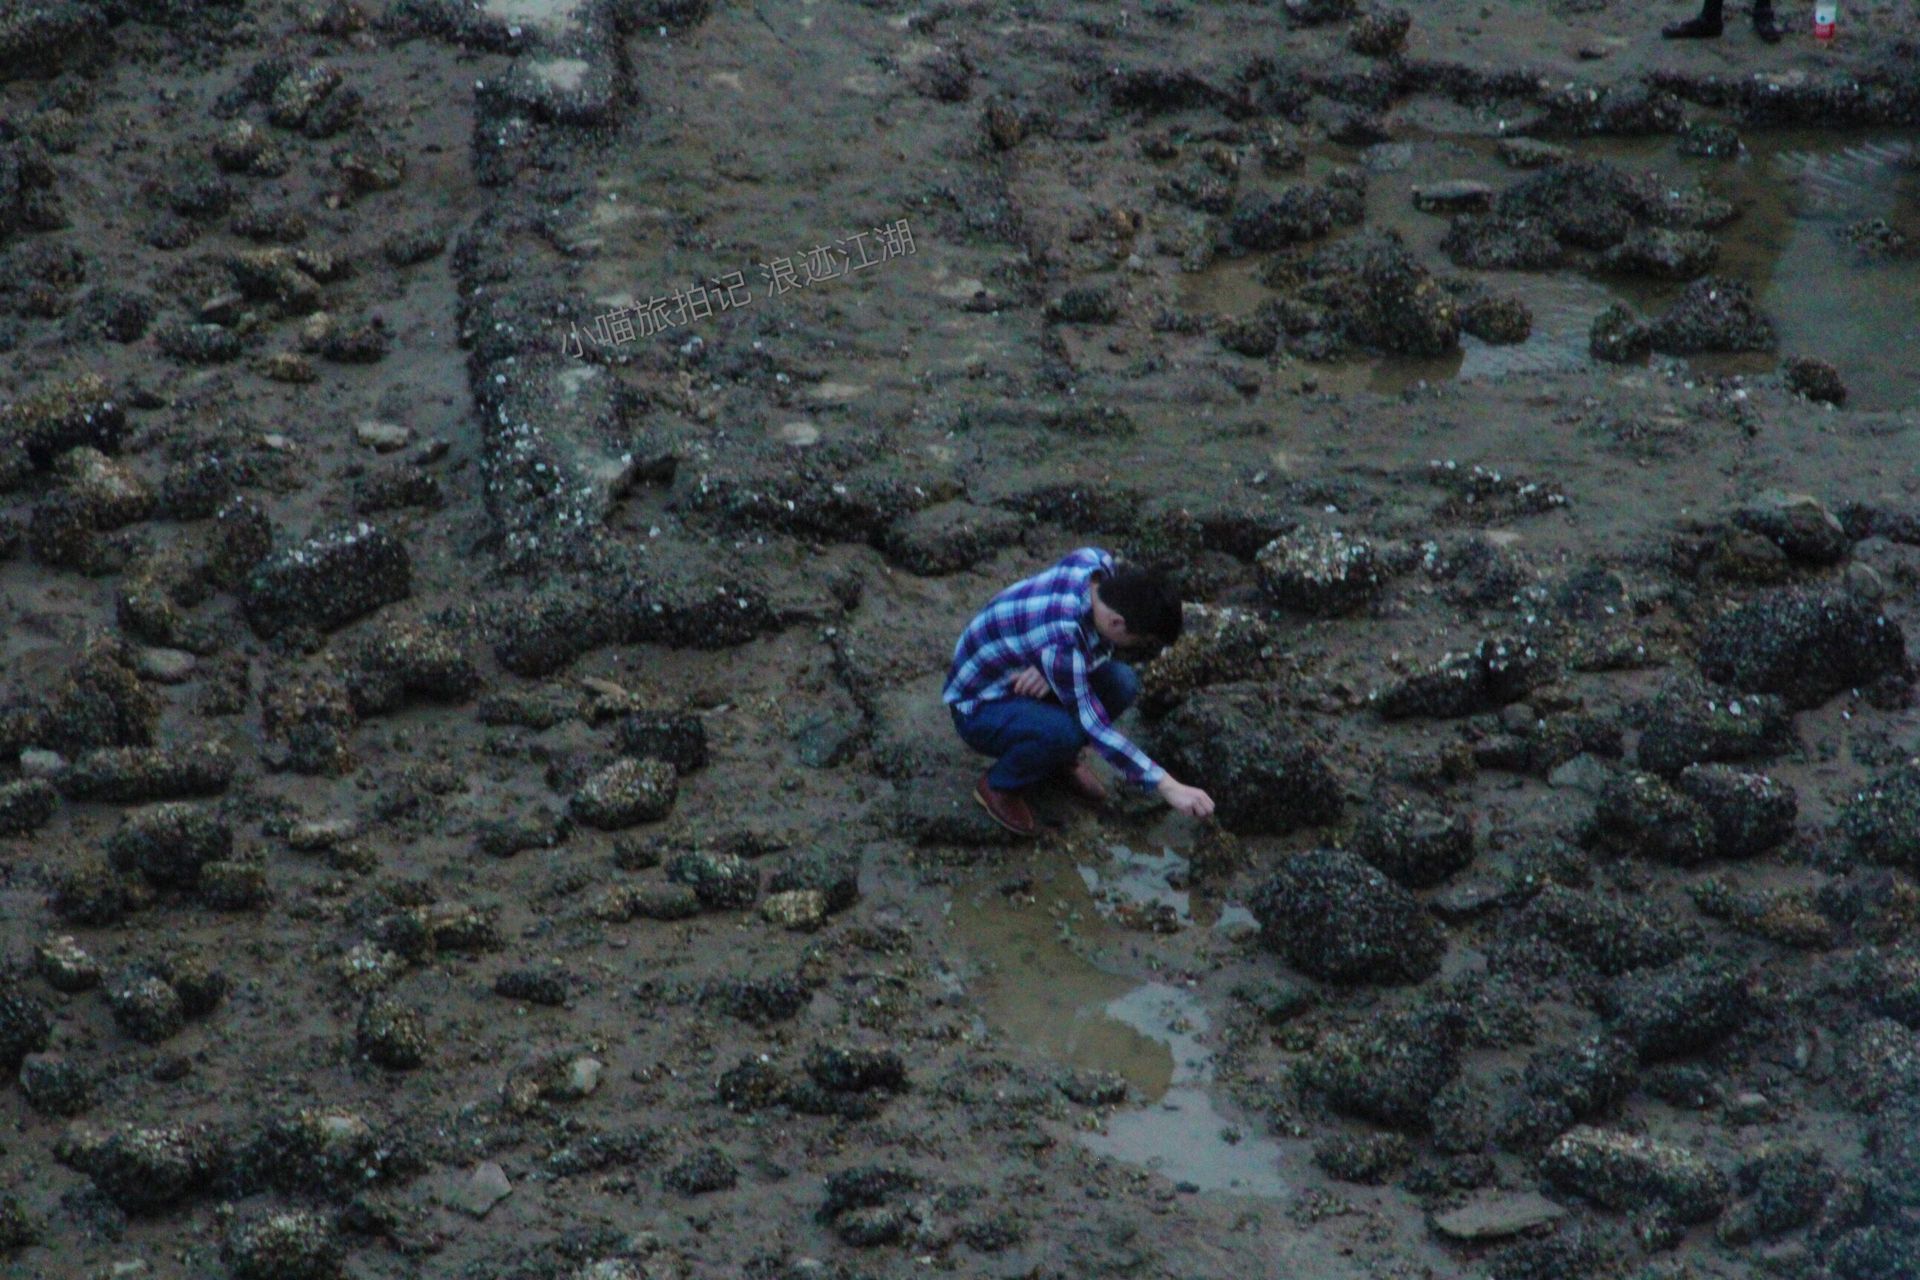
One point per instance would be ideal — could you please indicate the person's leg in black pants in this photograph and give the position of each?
(1711, 18)
(1704, 27)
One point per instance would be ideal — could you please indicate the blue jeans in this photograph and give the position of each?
(1035, 738)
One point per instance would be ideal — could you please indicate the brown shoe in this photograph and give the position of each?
(1084, 782)
(1005, 808)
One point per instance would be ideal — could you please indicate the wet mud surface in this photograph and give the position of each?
(489, 488)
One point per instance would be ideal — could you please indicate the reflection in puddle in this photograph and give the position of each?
(1035, 987)
(1182, 1136)
(1139, 887)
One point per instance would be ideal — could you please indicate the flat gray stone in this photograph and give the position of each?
(318, 836)
(1465, 899)
(829, 740)
(1527, 153)
(1462, 195)
(383, 437)
(1498, 1217)
(478, 1194)
(1586, 772)
(164, 666)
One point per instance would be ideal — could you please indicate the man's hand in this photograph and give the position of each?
(1031, 684)
(1191, 801)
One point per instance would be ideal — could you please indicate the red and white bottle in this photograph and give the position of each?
(1826, 14)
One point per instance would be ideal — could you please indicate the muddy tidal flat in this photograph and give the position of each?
(489, 490)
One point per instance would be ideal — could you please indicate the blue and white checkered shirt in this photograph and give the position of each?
(1046, 621)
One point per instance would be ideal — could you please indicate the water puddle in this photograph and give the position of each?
(1138, 888)
(1038, 990)
(1796, 192)
(1181, 1135)
(1037, 985)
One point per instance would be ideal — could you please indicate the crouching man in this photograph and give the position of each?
(1034, 681)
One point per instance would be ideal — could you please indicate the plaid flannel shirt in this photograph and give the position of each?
(1046, 622)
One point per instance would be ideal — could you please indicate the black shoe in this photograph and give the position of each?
(1766, 26)
(1692, 29)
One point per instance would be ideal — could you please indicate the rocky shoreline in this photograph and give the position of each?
(473, 801)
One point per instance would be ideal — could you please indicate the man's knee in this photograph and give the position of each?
(1064, 736)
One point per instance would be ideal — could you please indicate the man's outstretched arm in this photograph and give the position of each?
(1066, 671)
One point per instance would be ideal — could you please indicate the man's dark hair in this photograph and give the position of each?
(1147, 599)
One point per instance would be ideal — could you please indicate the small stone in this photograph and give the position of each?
(1458, 196)
(1529, 153)
(1091, 1088)
(664, 902)
(1321, 572)
(1419, 844)
(1391, 1070)
(368, 968)
(721, 880)
(26, 806)
(54, 1085)
(487, 1187)
(1379, 33)
(1084, 304)
(1663, 254)
(627, 792)
(1501, 319)
(25, 1027)
(383, 437)
(796, 909)
(1586, 773)
(1498, 1217)
(1335, 917)
(291, 367)
(18, 1228)
(284, 1246)
(535, 986)
(1631, 1173)
(1802, 645)
(327, 581)
(164, 666)
(1369, 1159)
(66, 966)
(234, 886)
(392, 1035)
(170, 842)
(1815, 380)
(702, 1172)
(316, 837)
(1799, 524)
(146, 1008)
(1618, 336)
(1864, 583)
(678, 739)
(829, 740)
(583, 1077)
(137, 775)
